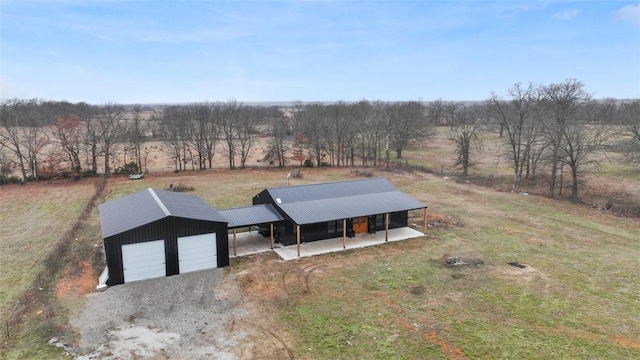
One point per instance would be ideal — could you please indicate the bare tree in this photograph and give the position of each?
(564, 101)
(10, 136)
(202, 131)
(6, 163)
(437, 112)
(229, 128)
(279, 143)
(450, 112)
(629, 116)
(516, 117)
(109, 126)
(339, 125)
(174, 133)
(89, 116)
(466, 135)
(363, 114)
(246, 132)
(407, 122)
(310, 120)
(136, 132)
(69, 136)
(580, 143)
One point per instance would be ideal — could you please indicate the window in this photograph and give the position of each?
(380, 220)
(331, 227)
(340, 226)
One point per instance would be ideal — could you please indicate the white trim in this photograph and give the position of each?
(159, 202)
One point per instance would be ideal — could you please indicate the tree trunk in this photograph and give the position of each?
(107, 169)
(554, 174)
(574, 187)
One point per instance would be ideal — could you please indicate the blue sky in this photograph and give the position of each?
(186, 51)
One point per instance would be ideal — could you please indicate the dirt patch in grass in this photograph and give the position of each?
(441, 221)
(76, 279)
(460, 261)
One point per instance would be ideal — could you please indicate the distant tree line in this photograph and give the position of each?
(544, 128)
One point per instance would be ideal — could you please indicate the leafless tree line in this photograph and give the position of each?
(363, 133)
(560, 125)
(37, 136)
(194, 132)
(544, 128)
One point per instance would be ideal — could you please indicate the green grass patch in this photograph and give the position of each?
(573, 299)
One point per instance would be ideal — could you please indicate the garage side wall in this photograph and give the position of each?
(158, 230)
(187, 227)
(167, 229)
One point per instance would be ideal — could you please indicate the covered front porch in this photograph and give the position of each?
(251, 242)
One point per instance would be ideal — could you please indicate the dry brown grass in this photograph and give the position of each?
(34, 217)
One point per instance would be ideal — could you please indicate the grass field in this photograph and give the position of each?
(34, 217)
(576, 297)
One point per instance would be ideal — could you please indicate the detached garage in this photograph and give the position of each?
(155, 233)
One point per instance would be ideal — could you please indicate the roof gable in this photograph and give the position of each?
(147, 206)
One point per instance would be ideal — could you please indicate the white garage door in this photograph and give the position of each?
(143, 260)
(197, 252)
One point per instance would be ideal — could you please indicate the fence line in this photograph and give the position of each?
(51, 265)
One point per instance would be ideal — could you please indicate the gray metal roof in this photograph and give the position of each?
(250, 215)
(288, 194)
(144, 207)
(307, 204)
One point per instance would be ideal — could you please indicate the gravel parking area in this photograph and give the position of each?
(178, 317)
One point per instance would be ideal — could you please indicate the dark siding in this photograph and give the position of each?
(399, 219)
(156, 230)
(168, 229)
(263, 198)
(313, 232)
(289, 237)
(222, 234)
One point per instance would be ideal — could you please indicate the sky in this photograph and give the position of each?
(262, 51)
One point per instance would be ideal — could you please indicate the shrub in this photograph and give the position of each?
(129, 169)
(308, 162)
(180, 188)
(362, 173)
(5, 180)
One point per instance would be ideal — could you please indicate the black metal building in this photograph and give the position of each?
(328, 210)
(156, 233)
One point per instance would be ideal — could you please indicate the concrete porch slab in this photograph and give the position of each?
(335, 244)
(249, 243)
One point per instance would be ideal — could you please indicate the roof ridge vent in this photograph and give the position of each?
(159, 202)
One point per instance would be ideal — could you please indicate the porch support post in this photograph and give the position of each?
(298, 238)
(344, 233)
(425, 220)
(235, 253)
(386, 227)
(271, 232)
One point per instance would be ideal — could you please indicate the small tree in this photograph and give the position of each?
(465, 136)
(630, 116)
(68, 134)
(299, 144)
(279, 143)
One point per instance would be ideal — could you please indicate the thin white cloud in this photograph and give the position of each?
(567, 14)
(630, 13)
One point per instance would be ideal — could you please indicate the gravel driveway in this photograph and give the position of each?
(185, 316)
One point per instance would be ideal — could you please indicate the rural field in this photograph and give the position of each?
(499, 274)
